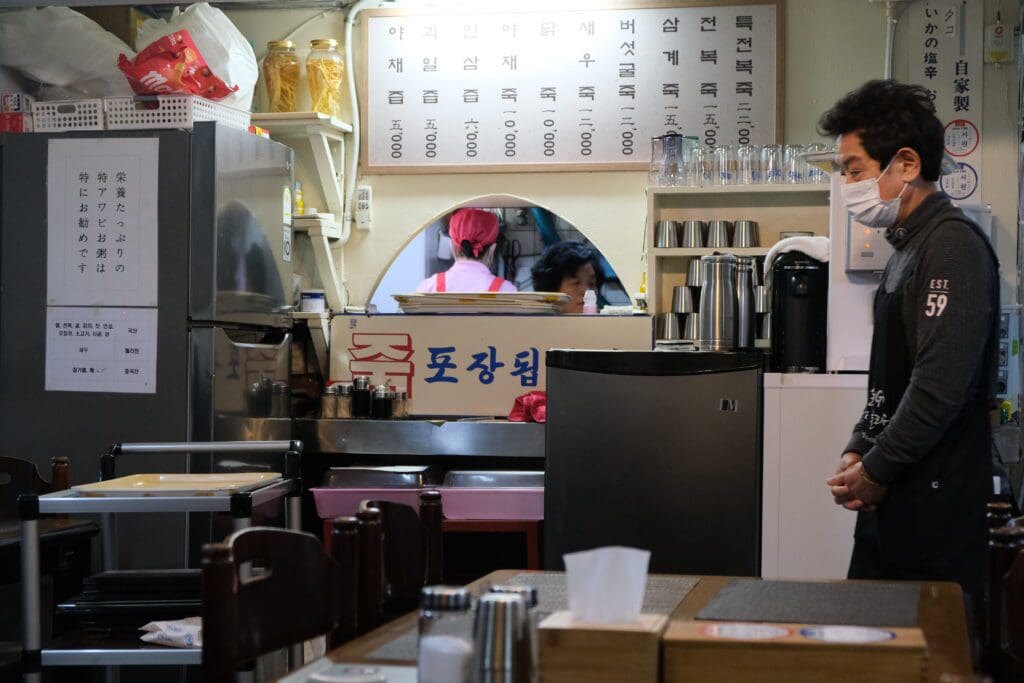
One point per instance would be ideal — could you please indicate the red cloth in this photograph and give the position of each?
(531, 407)
(479, 227)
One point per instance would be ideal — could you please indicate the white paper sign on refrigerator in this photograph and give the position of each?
(102, 222)
(108, 350)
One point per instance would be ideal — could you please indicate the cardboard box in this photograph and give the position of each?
(791, 653)
(573, 652)
(469, 365)
(15, 103)
(16, 123)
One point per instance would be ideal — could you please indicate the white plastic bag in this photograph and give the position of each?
(226, 51)
(60, 47)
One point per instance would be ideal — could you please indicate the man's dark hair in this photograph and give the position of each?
(887, 116)
(562, 260)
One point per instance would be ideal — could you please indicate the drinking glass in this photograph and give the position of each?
(748, 165)
(656, 174)
(795, 166)
(771, 165)
(814, 173)
(673, 165)
(724, 165)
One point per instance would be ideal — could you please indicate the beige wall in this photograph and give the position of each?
(831, 47)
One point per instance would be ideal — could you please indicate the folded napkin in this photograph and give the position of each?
(531, 407)
(182, 633)
(815, 247)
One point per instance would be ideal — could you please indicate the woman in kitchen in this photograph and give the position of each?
(474, 234)
(570, 268)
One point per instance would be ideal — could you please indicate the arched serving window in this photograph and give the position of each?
(526, 230)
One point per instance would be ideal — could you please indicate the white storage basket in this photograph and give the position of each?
(61, 116)
(169, 111)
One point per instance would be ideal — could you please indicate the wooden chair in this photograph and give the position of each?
(19, 476)
(400, 551)
(265, 589)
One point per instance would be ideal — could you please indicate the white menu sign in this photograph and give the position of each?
(101, 349)
(946, 58)
(102, 222)
(563, 89)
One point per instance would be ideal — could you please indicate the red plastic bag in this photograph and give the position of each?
(531, 407)
(173, 64)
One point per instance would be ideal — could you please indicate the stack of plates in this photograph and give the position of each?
(508, 303)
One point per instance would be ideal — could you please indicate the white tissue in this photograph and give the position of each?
(606, 585)
(182, 633)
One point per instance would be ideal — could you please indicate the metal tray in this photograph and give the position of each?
(398, 477)
(484, 479)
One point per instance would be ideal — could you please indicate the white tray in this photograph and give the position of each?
(178, 484)
(169, 111)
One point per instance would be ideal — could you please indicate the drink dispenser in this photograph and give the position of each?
(799, 313)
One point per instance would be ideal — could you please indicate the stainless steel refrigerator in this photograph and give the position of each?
(655, 450)
(223, 318)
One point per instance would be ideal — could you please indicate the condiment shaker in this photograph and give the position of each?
(501, 645)
(445, 635)
(329, 402)
(280, 399)
(382, 398)
(400, 406)
(362, 397)
(344, 405)
(529, 594)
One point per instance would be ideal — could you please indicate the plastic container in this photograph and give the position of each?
(169, 111)
(281, 68)
(313, 301)
(590, 302)
(65, 115)
(345, 502)
(493, 503)
(325, 70)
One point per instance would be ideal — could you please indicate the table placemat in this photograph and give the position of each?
(662, 595)
(795, 602)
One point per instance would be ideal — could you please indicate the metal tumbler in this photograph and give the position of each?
(501, 638)
(718, 234)
(666, 235)
(745, 235)
(682, 300)
(667, 326)
(692, 234)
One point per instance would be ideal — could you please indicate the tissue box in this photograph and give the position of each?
(791, 653)
(575, 652)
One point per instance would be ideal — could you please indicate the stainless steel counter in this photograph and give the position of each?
(491, 438)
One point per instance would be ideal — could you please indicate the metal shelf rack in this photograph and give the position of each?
(240, 505)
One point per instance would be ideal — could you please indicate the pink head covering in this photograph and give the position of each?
(480, 228)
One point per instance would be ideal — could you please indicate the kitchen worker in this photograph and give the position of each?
(570, 268)
(474, 234)
(918, 468)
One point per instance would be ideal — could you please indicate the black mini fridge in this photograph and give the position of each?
(655, 450)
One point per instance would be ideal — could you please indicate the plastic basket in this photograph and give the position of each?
(63, 115)
(169, 111)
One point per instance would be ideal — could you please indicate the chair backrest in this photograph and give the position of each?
(19, 476)
(1015, 522)
(408, 556)
(264, 589)
(1013, 610)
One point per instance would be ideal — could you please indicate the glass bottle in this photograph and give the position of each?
(325, 70)
(281, 75)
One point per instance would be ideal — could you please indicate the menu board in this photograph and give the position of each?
(579, 89)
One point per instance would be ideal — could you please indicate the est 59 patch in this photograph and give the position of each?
(937, 299)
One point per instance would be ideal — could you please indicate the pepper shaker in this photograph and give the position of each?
(382, 398)
(362, 397)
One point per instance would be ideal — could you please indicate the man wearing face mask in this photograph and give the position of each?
(918, 468)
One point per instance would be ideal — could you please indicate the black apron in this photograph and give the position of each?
(928, 526)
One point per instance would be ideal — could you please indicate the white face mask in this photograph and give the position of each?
(865, 204)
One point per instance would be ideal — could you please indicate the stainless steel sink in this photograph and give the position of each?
(397, 477)
(483, 479)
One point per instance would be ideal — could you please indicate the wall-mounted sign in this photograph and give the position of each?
(566, 90)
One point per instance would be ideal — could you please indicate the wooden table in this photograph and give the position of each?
(940, 616)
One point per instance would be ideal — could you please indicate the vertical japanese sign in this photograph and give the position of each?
(102, 222)
(101, 265)
(946, 57)
(577, 87)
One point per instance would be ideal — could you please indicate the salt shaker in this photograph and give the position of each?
(329, 402)
(344, 404)
(445, 635)
(362, 397)
(382, 398)
(400, 409)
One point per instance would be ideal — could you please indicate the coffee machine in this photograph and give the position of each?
(799, 313)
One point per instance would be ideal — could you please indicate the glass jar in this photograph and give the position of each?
(445, 635)
(281, 75)
(325, 70)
